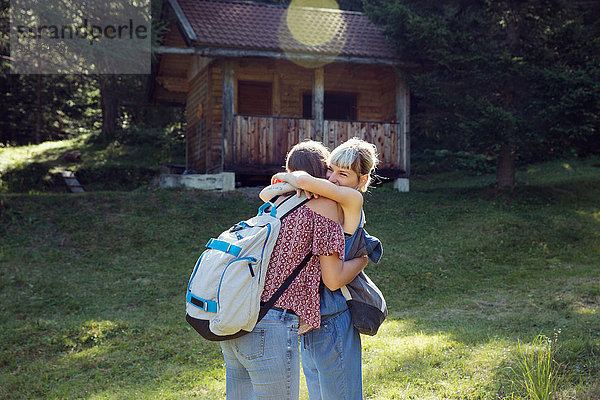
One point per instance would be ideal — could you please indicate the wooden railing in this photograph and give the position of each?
(264, 141)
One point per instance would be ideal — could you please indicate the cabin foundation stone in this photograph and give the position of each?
(224, 181)
(401, 184)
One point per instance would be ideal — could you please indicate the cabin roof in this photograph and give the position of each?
(244, 25)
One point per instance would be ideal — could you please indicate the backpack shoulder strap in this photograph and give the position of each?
(285, 208)
(266, 306)
(289, 204)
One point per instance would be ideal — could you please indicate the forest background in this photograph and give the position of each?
(494, 85)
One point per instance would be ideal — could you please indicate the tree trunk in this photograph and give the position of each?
(505, 173)
(38, 106)
(110, 106)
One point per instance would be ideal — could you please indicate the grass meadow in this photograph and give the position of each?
(489, 297)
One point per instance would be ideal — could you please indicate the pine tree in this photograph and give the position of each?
(483, 72)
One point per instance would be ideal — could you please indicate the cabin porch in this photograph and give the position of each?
(258, 144)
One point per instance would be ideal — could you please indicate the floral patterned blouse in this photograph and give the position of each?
(302, 231)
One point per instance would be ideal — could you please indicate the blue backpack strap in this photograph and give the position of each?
(203, 304)
(216, 244)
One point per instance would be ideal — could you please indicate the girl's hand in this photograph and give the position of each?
(283, 177)
(309, 195)
(292, 179)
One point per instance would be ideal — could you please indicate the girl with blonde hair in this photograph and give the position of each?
(331, 355)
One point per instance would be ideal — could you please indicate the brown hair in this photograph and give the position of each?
(308, 156)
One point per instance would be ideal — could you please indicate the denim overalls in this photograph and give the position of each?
(331, 355)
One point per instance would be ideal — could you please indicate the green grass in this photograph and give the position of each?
(537, 371)
(92, 289)
(125, 163)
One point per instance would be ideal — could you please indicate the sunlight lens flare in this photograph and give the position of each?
(310, 24)
(300, 23)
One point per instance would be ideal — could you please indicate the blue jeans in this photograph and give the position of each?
(264, 364)
(331, 359)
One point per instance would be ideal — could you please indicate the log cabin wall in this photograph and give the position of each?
(294, 82)
(366, 82)
(197, 122)
(172, 83)
(214, 156)
(373, 85)
(203, 154)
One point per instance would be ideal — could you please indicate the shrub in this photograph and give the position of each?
(114, 177)
(434, 161)
(30, 177)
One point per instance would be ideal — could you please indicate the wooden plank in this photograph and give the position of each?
(389, 139)
(342, 133)
(263, 139)
(274, 140)
(71, 181)
(310, 130)
(301, 129)
(245, 128)
(378, 139)
(283, 143)
(240, 130)
(293, 134)
(353, 130)
(292, 130)
(249, 139)
(331, 134)
(255, 143)
(307, 130)
(362, 130)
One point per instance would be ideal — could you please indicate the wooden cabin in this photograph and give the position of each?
(257, 78)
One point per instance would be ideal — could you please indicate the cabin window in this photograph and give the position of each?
(341, 106)
(254, 98)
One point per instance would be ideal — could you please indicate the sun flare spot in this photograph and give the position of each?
(301, 24)
(312, 33)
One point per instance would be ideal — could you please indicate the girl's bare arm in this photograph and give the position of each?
(337, 273)
(275, 190)
(345, 196)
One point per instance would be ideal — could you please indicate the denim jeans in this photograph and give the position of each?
(264, 364)
(331, 358)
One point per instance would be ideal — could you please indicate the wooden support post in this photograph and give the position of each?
(276, 94)
(228, 96)
(318, 102)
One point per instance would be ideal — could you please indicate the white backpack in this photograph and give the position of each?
(224, 290)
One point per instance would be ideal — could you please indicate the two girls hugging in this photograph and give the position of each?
(312, 312)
